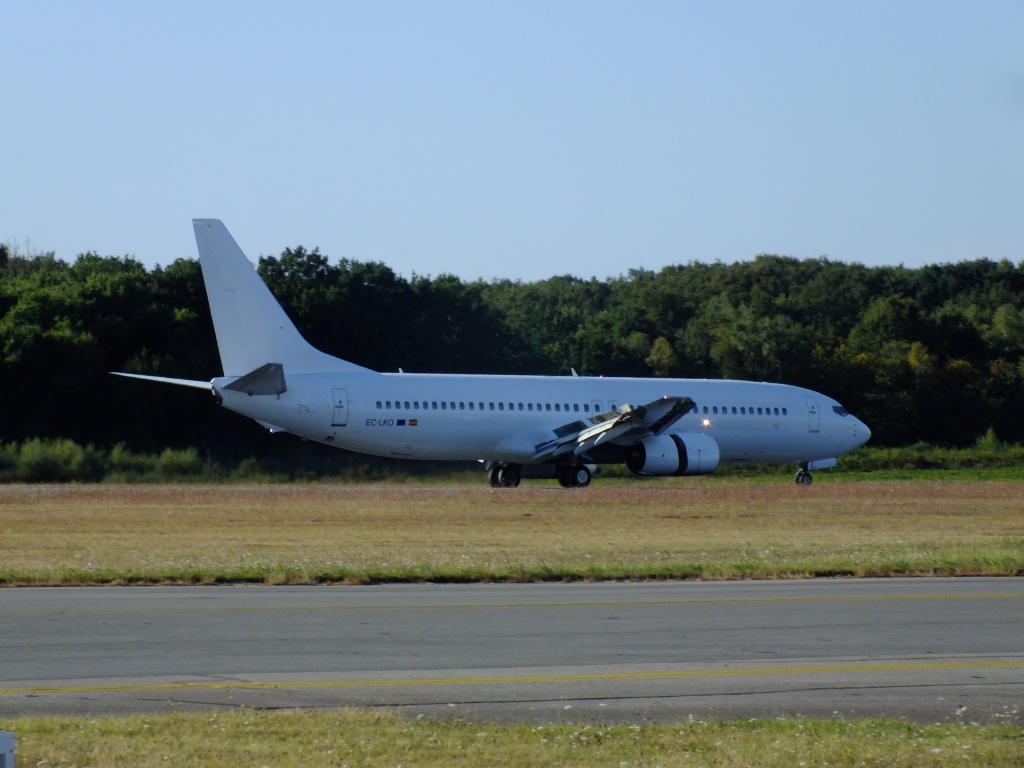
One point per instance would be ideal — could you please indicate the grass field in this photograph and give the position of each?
(708, 528)
(360, 738)
(699, 528)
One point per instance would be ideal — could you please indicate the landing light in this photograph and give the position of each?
(707, 422)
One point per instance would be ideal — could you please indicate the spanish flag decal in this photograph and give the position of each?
(414, 422)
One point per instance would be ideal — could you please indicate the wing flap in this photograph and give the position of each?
(626, 425)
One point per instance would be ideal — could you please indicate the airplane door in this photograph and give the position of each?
(813, 417)
(340, 417)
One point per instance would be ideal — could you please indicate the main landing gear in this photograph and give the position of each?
(574, 476)
(510, 475)
(502, 476)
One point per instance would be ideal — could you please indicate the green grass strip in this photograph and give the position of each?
(373, 738)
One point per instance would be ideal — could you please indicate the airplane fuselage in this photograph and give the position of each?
(504, 418)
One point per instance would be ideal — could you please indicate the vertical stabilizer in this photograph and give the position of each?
(252, 328)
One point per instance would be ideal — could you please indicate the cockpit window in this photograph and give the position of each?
(840, 410)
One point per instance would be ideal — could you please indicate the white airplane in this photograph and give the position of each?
(517, 426)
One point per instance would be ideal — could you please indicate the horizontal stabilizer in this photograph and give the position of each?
(165, 380)
(266, 380)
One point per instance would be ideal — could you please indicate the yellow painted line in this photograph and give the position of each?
(491, 606)
(527, 679)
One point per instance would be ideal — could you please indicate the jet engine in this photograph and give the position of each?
(674, 454)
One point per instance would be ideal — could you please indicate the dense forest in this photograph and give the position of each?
(934, 354)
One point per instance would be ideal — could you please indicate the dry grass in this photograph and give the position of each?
(706, 528)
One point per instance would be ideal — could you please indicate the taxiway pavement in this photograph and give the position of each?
(924, 649)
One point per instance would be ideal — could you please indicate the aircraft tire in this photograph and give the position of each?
(803, 477)
(574, 476)
(509, 478)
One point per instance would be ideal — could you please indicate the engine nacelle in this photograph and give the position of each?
(674, 454)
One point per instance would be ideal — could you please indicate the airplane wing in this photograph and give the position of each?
(625, 426)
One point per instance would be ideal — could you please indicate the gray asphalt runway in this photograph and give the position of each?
(925, 649)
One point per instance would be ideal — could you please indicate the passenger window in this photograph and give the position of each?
(784, 412)
(715, 410)
(743, 410)
(705, 409)
(558, 407)
(759, 412)
(379, 404)
(444, 406)
(520, 406)
(586, 407)
(471, 406)
(501, 406)
(576, 407)
(387, 404)
(547, 406)
(490, 406)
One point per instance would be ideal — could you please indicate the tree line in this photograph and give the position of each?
(932, 354)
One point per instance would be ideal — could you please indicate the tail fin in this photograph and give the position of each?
(252, 329)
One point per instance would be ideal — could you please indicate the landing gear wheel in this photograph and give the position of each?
(803, 477)
(581, 476)
(509, 478)
(574, 476)
(505, 476)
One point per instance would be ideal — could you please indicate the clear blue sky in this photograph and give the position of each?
(517, 139)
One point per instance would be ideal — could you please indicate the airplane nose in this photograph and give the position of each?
(861, 433)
